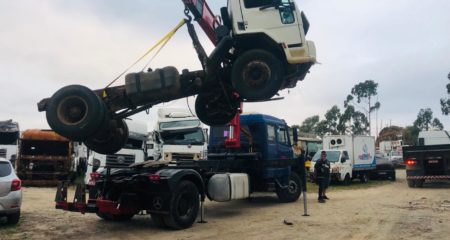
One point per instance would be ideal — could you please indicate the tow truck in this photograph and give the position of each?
(260, 48)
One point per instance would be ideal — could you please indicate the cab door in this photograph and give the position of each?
(284, 149)
(281, 22)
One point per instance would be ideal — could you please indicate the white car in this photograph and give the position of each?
(10, 192)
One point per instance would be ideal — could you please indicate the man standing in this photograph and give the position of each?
(322, 170)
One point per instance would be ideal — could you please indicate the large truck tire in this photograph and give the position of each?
(184, 206)
(109, 140)
(393, 176)
(419, 183)
(257, 75)
(216, 109)
(411, 183)
(75, 112)
(293, 191)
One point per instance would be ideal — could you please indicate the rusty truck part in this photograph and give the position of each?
(44, 158)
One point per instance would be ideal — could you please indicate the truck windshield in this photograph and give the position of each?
(49, 148)
(183, 137)
(9, 138)
(332, 156)
(134, 144)
(179, 124)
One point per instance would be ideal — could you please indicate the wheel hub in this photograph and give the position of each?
(72, 110)
(256, 74)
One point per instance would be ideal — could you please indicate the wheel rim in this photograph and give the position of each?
(292, 187)
(185, 205)
(72, 110)
(256, 74)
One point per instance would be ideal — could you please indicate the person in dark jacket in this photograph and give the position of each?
(322, 170)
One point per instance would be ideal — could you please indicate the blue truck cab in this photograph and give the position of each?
(267, 138)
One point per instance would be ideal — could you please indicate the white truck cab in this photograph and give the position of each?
(281, 21)
(350, 157)
(181, 134)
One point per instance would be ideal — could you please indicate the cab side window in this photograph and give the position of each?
(287, 12)
(271, 134)
(282, 136)
(257, 3)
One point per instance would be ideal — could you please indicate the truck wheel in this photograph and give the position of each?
(347, 180)
(13, 218)
(184, 206)
(293, 191)
(158, 220)
(411, 183)
(75, 112)
(419, 183)
(111, 140)
(393, 177)
(216, 109)
(364, 178)
(115, 218)
(257, 75)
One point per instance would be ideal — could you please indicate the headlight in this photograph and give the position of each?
(198, 156)
(168, 156)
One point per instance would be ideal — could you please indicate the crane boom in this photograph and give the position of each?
(204, 16)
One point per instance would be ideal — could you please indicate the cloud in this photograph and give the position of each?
(403, 45)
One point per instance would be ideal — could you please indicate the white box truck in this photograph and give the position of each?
(181, 134)
(350, 157)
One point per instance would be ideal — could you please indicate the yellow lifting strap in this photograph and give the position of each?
(161, 42)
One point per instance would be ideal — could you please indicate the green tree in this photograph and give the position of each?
(425, 120)
(364, 92)
(445, 103)
(437, 124)
(389, 134)
(353, 122)
(309, 125)
(331, 122)
(410, 135)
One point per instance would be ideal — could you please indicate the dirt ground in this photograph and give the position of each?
(385, 211)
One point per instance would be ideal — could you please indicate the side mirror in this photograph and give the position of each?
(294, 136)
(343, 159)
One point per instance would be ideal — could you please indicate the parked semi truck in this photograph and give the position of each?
(429, 160)
(173, 193)
(260, 48)
(9, 139)
(44, 158)
(350, 157)
(182, 135)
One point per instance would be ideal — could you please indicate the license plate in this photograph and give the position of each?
(433, 161)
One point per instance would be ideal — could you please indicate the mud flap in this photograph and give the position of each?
(61, 192)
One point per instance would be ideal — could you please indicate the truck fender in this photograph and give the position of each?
(175, 176)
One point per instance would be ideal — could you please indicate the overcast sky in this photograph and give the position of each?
(403, 45)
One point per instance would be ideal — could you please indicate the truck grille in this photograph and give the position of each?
(3, 153)
(119, 160)
(182, 156)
